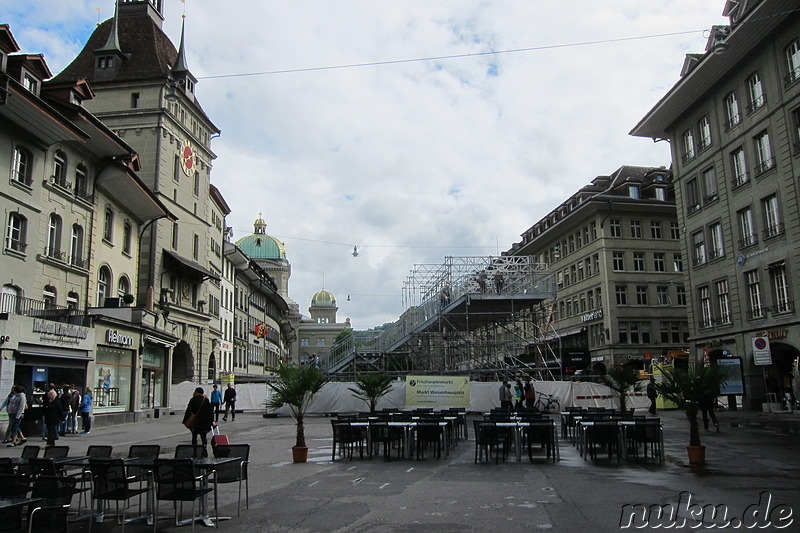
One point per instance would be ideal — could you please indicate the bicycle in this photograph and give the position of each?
(547, 403)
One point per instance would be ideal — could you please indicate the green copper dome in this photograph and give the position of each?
(260, 245)
(323, 297)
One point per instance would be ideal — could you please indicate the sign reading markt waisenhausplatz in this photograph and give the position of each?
(437, 391)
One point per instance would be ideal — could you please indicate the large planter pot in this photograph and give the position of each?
(697, 454)
(299, 454)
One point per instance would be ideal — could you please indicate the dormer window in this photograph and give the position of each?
(633, 191)
(30, 83)
(105, 62)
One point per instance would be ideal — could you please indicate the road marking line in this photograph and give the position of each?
(312, 484)
(384, 485)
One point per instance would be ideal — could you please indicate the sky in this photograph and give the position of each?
(410, 161)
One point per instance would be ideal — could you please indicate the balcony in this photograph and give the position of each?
(764, 166)
(693, 208)
(747, 241)
(16, 245)
(688, 156)
(713, 197)
(732, 122)
(54, 253)
(17, 305)
(22, 179)
(706, 323)
(773, 230)
(77, 262)
(756, 313)
(715, 253)
(756, 104)
(791, 77)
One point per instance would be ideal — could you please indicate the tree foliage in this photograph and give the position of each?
(296, 388)
(621, 379)
(371, 387)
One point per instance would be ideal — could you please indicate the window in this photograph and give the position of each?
(680, 294)
(704, 129)
(716, 246)
(76, 247)
(581, 273)
(126, 238)
(123, 286)
(780, 288)
(772, 218)
(53, 248)
(674, 231)
(590, 299)
(593, 227)
(196, 190)
(615, 227)
(622, 294)
(638, 261)
(105, 62)
(321, 342)
(634, 331)
(30, 83)
(49, 297)
(709, 186)
(196, 247)
(755, 91)
(633, 191)
(108, 225)
(793, 62)
(134, 100)
(723, 301)
(764, 159)
(732, 111)
(80, 182)
(688, 146)
(739, 168)
(692, 196)
(588, 264)
(618, 259)
(659, 264)
(641, 295)
(60, 168)
(23, 163)
(655, 230)
(704, 299)
(754, 309)
(699, 248)
(103, 279)
(596, 263)
(747, 233)
(304, 342)
(636, 229)
(796, 131)
(72, 300)
(662, 296)
(16, 238)
(660, 194)
(677, 263)
(622, 330)
(174, 235)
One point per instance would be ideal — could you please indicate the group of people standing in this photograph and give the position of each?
(523, 395)
(59, 416)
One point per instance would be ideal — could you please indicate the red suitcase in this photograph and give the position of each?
(217, 439)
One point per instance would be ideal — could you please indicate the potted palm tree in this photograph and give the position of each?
(371, 387)
(688, 389)
(296, 388)
(621, 379)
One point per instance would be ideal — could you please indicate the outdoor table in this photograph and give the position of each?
(10, 503)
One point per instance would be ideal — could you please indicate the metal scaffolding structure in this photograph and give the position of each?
(478, 315)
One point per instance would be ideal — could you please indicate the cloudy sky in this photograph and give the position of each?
(411, 161)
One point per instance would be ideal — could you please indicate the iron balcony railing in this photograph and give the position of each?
(18, 305)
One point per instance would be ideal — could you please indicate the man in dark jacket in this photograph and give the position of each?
(53, 415)
(230, 402)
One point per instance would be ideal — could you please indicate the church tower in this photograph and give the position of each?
(145, 92)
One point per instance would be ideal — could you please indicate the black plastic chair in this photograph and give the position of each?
(389, 436)
(603, 434)
(51, 514)
(43, 466)
(430, 433)
(56, 451)
(99, 451)
(190, 451)
(648, 434)
(30, 450)
(347, 437)
(6, 466)
(110, 482)
(176, 481)
(541, 432)
(235, 471)
(487, 437)
(13, 486)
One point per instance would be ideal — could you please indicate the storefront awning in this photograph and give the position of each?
(49, 351)
(191, 265)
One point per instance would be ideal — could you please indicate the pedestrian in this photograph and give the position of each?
(66, 401)
(499, 281)
(230, 402)
(199, 408)
(707, 405)
(482, 281)
(16, 410)
(216, 401)
(315, 361)
(652, 395)
(529, 393)
(518, 394)
(74, 408)
(444, 296)
(505, 396)
(86, 410)
(53, 415)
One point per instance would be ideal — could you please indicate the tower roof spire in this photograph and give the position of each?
(112, 43)
(180, 63)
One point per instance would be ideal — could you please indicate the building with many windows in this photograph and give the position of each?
(733, 122)
(614, 248)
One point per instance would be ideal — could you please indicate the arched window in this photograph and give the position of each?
(103, 279)
(49, 296)
(123, 286)
(60, 168)
(23, 164)
(54, 237)
(126, 238)
(9, 298)
(72, 300)
(16, 236)
(76, 247)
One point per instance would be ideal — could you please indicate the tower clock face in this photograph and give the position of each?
(188, 158)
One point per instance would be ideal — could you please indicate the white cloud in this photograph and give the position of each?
(410, 161)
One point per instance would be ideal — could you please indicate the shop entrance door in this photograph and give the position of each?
(148, 388)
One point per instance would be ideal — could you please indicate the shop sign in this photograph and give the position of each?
(762, 356)
(59, 333)
(774, 333)
(4, 339)
(115, 337)
(635, 357)
(594, 315)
